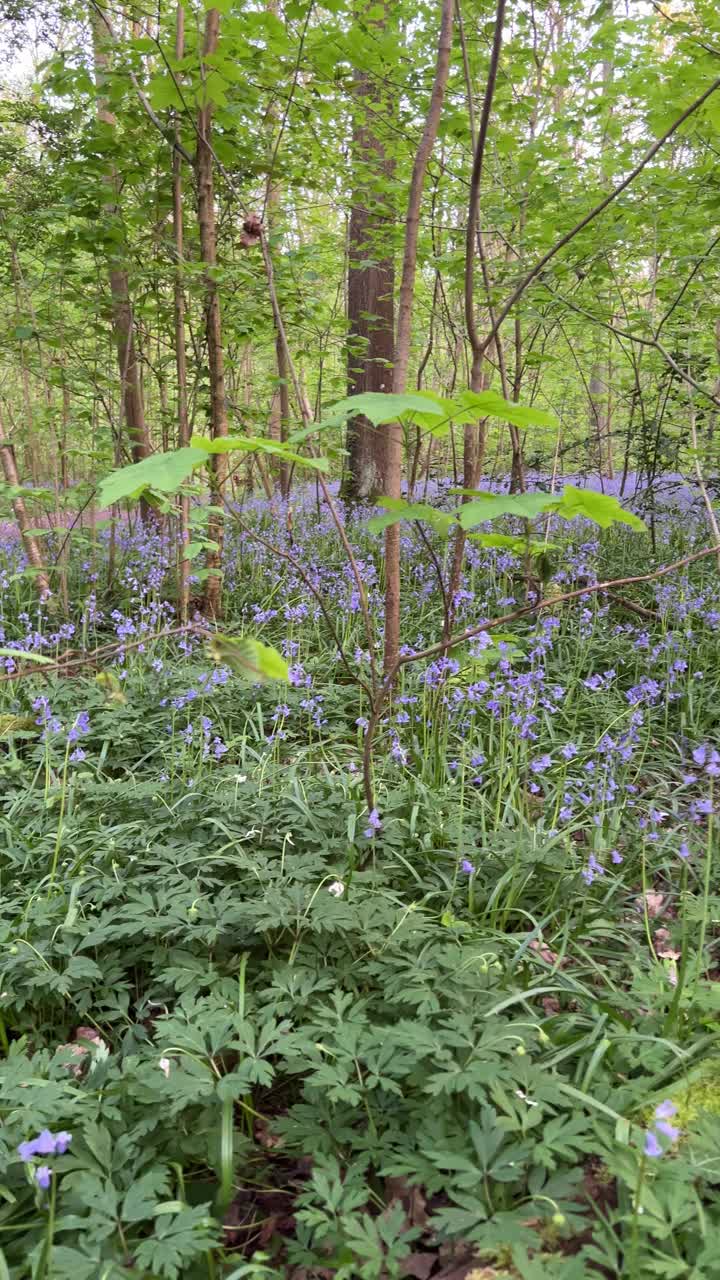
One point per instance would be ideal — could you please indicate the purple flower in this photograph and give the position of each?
(46, 1144)
(467, 867)
(542, 763)
(81, 725)
(665, 1110)
(43, 1176)
(616, 857)
(374, 824)
(684, 851)
(652, 1146)
(667, 1130)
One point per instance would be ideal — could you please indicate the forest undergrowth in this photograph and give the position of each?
(251, 1028)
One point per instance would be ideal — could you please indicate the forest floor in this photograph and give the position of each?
(250, 1029)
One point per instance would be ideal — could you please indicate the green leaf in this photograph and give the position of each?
(29, 657)
(601, 508)
(398, 509)
(142, 1198)
(258, 444)
(489, 506)
(249, 657)
(193, 550)
(163, 92)
(488, 404)
(163, 471)
(380, 407)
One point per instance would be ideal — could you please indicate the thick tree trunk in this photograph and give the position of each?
(394, 436)
(213, 326)
(131, 395)
(370, 280)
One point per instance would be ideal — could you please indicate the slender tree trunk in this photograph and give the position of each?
(394, 435)
(213, 325)
(280, 407)
(474, 437)
(10, 472)
(131, 396)
(370, 278)
(183, 425)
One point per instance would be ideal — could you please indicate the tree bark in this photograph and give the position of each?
(183, 425)
(370, 280)
(131, 396)
(394, 435)
(213, 325)
(10, 472)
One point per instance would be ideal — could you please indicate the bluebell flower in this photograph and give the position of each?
(43, 1176)
(374, 824)
(663, 1114)
(652, 1146)
(467, 867)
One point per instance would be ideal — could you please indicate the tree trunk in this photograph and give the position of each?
(131, 396)
(183, 425)
(370, 279)
(213, 326)
(10, 472)
(394, 436)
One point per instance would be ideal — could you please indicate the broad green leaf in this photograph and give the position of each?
(380, 407)
(249, 657)
(601, 508)
(398, 509)
(258, 444)
(489, 506)
(163, 471)
(488, 404)
(512, 542)
(163, 92)
(26, 656)
(193, 550)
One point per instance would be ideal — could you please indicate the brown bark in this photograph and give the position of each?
(131, 396)
(10, 472)
(213, 325)
(474, 437)
(183, 425)
(280, 407)
(394, 435)
(370, 280)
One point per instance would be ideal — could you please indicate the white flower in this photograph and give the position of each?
(337, 888)
(164, 1065)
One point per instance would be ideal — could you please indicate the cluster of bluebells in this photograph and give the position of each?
(52, 725)
(45, 1144)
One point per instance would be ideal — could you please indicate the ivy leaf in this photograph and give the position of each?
(249, 657)
(163, 471)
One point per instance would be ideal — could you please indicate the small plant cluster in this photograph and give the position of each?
(251, 1026)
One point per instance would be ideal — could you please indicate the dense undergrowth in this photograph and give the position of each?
(474, 1028)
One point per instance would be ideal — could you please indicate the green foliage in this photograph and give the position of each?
(248, 657)
(162, 471)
